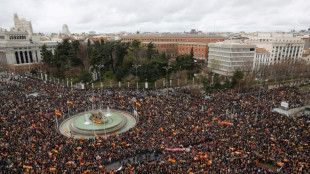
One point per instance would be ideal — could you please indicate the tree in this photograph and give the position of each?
(136, 46)
(185, 61)
(238, 75)
(47, 56)
(150, 50)
(85, 76)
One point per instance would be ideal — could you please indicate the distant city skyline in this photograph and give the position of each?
(158, 16)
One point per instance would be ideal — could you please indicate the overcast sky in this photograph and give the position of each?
(109, 16)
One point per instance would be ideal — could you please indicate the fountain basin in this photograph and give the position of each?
(81, 126)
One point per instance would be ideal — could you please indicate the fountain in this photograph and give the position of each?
(102, 122)
(108, 112)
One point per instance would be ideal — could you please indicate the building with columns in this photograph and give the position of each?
(19, 50)
(281, 46)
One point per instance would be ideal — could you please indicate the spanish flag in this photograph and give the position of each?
(52, 169)
(138, 104)
(58, 113)
(27, 167)
(95, 135)
(226, 123)
(172, 160)
(115, 133)
(209, 163)
(97, 122)
(69, 103)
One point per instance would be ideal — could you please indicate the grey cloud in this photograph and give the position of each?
(160, 15)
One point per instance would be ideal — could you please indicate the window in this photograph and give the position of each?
(252, 49)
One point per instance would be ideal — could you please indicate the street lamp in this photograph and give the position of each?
(137, 66)
(167, 69)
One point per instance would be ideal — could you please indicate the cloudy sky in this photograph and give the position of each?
(108, 16)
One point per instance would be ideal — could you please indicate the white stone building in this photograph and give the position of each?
(225, 57)
(280, 46)
(23, 25)
(19, 50)
(261, 58)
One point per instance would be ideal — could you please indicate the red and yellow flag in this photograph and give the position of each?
(52, 169)
(58, 113)
(69, 102)
(172, 160)
(226, 123)
(97, 122)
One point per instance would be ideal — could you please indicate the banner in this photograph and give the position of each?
(177, 149)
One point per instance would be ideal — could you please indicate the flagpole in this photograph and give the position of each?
(56, 122)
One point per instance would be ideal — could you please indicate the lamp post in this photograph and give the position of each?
(137, 66)
(167, 69)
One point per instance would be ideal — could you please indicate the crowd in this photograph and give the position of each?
(252, 140)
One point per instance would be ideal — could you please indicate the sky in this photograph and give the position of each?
(112, 16)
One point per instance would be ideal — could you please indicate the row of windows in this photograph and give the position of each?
(195, 53)
(276, 40)
(167, 40)
(17, 37)
(1, 37)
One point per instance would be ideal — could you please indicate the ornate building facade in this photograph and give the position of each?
(19, 49)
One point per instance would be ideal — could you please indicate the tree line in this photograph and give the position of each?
(118, 61)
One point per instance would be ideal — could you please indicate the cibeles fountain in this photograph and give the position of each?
(101, 122)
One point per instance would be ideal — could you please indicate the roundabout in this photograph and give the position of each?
(99, 122)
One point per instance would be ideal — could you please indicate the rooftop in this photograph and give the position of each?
(261, 50)
(173, 35)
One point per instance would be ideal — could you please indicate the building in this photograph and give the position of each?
(200, 49)
(178, 44)
(261, 58)
(306, 56)
(20, 50)
(307, 42)
(225, 57)
(23, 25)
(281, 46)
(65, 30)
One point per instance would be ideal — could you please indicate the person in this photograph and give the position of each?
(29, 142)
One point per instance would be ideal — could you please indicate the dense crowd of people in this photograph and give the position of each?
(223, 133)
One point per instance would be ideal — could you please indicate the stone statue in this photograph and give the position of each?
(98, 116)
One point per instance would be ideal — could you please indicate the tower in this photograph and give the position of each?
(65, 30)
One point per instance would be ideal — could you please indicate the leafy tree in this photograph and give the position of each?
(119, 73)
(47, 56)
(136, 46)
(85, 76)
(238, 75)
(150, 50)
(185, 61)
